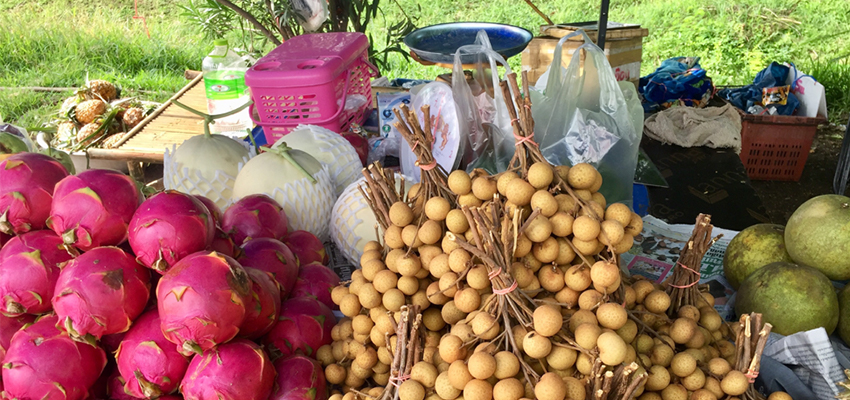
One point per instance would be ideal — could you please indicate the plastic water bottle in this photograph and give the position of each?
(224, 78)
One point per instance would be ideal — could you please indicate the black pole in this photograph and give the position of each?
(603, 24)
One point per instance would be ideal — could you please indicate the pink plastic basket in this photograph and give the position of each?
(307, 80)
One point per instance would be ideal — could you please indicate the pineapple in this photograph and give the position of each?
(112, 140)
(83, 139)
(132, 117)
(101, 89)
(68, 104)
(66, 132)
(87, 111)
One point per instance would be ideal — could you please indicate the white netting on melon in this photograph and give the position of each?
(352, 223)
(218, 188)
(330, 149)
(308, 205)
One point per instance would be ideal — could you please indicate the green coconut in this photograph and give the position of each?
(752, 249)
(818, 235)
(793, 298)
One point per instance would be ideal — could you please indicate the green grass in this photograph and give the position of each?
(57, 42)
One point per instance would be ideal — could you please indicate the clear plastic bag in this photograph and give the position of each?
(582, 116)
(444, 124)
(311, 14)
(486, 134)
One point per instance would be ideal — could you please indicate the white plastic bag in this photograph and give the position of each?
(486, 134)
(582, 116)
(311, 13)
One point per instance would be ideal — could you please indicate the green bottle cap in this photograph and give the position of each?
(220, 42)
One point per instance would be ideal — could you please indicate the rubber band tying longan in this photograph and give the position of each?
(689, 269)
(398, 380)
(493, 274)
(506, 290)
(751, 375)
(427, 167)
(522, 139)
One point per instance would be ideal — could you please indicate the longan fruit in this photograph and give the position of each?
(577, 278)
(586, 247)
(546, 251)
(567, 204)
(619, 212)
(350, 305)
(657, 302)
(589, 299)
(612, 316)
(337, 293)
(593, 209)
(481, 365)
(400, 214)
(611, 232)
(536, 345)
(561, 358)
(628, 331)
(566, 254)
(708, 298)
(367, 359)
(713, 385)
(539, 229)
(630, 297)
(507, 365)
(370, 255)
(635, 225)
(642, 287)
(550, 387)
(604, 274)
(689, 311)
(551, 278)
(485, 326)
(674, 392)
(459, 182)
(408, 285)
(658, 378)
(385, 280)
(437, 208)
(392, 237)
(597, 183)
(612, 348)
(575, 388)
(469, 200)
(583, 194)
(703, 394)
(409, 265)
(483, 188)
(433, 319)
(584, 364)
(545, 202)
(335, 374)
(599, 199)
(519, 192)
(711, 321)
(547, 320)
(411, 390)
(362, 324)
(695, 380)
(586, 335)
(683, 330)
(444, 388)
(683, 364)
(478, 389)
(451, 314)
(502, 181)
(523, 246)
(456, 222)
(582, 317)
(540, 175)
(508, 389)
(325, 355)
(410, 236)
(458, 260)
(700, 338)
(562, 224)
(582, 176)
(624, 245)
(735, 383)
(719, 366)
(430, 232)
(451, 348)
(477, 277)
(393, 299)
(586, 228)
(467, 300)
(779, 396)
(662, 355)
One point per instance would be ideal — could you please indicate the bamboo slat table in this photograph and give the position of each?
(168, 125)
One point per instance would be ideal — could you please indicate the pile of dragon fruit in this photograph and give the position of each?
(106, 294)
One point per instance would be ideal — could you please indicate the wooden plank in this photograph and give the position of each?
(560, 31)
(539, 54)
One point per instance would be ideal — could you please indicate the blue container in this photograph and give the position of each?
(640, 199)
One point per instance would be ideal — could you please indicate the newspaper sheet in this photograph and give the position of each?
(812, 357)
(657, 249)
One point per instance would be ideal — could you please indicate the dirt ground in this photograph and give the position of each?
(782, 198)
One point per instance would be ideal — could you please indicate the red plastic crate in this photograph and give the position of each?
(775, 147)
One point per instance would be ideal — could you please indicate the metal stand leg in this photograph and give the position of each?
(842, 171)
(603, 24)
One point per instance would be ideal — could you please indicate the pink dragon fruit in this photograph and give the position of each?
(43, 362)
(115, 387)
(4, 238)
(149, 364)
(215, 212)
(9, 326)
(27, 181)
(93, 209)
(169, 226)
(299, 378)
(236, 370)
(263, 306)
(316, 280)
(307, 247)
(101, 292)
(201, 301)
(111, 342)
(223, 244)
(29, 268)
(255, 216)
(304, 324)
(272, 256)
